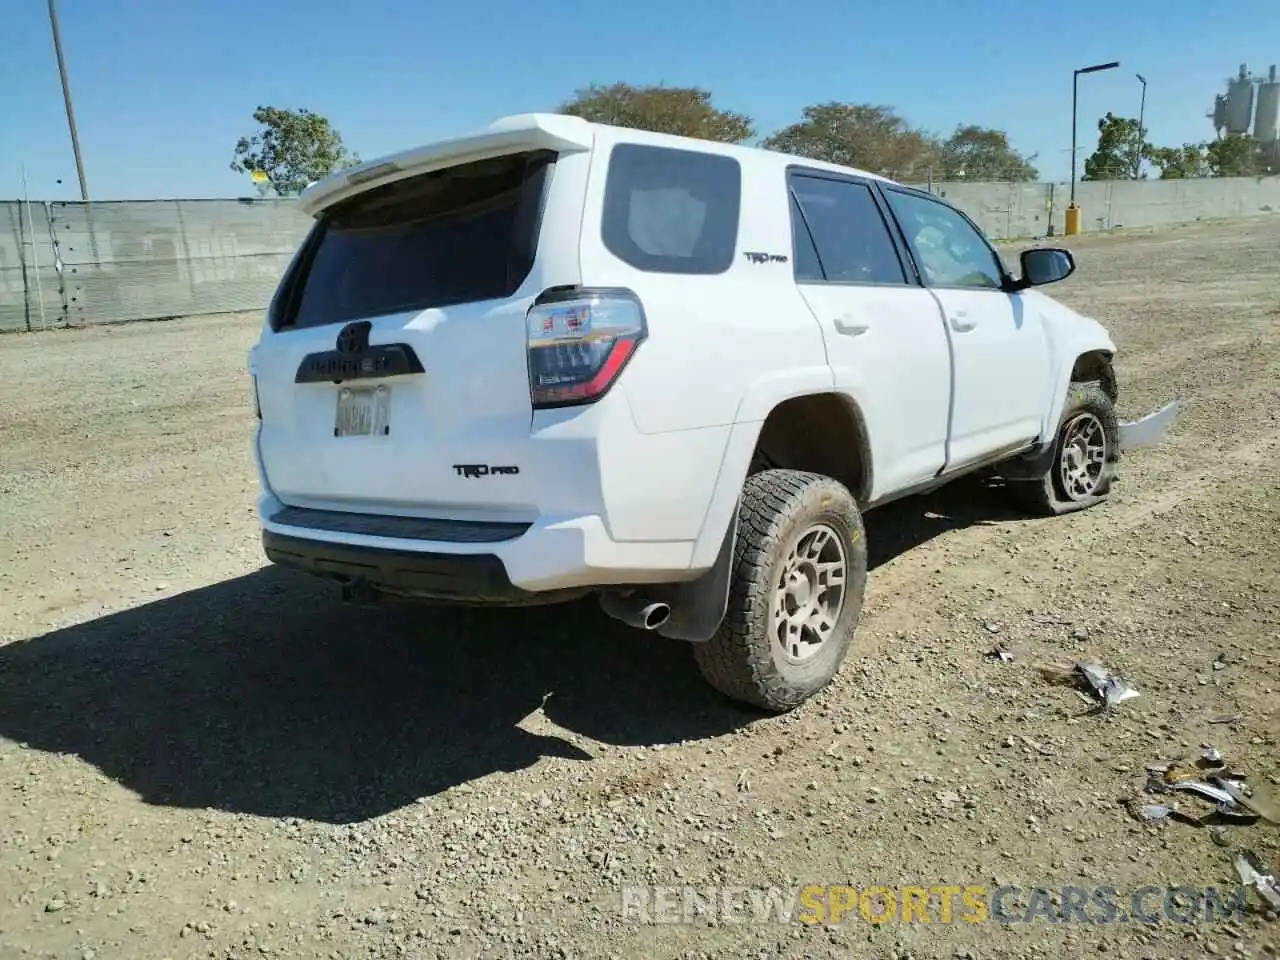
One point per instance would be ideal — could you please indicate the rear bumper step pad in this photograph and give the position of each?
(400, 528)
(470, 577)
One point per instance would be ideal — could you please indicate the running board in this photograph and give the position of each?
(1150, 429)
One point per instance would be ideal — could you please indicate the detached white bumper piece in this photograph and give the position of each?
(1150, 429)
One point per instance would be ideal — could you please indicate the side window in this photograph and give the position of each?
(671, 211)
(948, 250)
(850, 237)
(808, 267)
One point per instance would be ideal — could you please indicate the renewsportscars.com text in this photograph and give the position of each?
(971, 903)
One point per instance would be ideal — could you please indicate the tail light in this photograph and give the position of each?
(579, 340)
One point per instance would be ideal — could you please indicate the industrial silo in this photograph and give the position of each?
(1219, 113)
(1240, 102)
(1266, 121)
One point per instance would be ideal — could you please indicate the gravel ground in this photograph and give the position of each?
(204, 757)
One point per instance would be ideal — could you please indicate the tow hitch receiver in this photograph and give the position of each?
(1150, 429)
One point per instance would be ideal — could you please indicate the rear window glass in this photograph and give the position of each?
(672, 211)
(458, 235)
(850, 237)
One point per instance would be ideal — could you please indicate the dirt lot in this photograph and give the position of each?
(203, 757)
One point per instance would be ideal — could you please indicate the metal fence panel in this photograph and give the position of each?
(28, 278)
(71, 264)
(141, 260)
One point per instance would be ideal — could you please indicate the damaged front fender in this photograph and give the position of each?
(1132, 434)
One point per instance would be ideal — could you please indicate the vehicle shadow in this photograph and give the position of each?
(971, 501)
(266, 695)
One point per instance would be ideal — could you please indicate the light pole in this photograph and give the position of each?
(1142, 134)
(66, 96)
(1073, 212)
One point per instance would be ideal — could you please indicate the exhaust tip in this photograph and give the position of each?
(655, 615)
(635, 612)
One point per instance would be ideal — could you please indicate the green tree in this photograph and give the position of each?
(977, 154)
(683, 111)
(1180, 163)
(861, 135)
(1114, 159)
(293, 148)
(1236, 155)
(1268, 158)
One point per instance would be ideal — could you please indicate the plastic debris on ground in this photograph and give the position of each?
(1109, 689)
(998, 652)
(1253, 802)
(1149, 812)
(1216, 794)
(1253, 873)
(1209, 779)
(1094, 679)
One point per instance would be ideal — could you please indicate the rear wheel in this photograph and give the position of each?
(800, 569)
(1085, 452)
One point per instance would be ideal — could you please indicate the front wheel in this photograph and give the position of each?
(800, 571)
(1085, 453)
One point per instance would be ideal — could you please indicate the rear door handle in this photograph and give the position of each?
(961, 323)
(851, 329)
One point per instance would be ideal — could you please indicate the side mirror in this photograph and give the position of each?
(1045, 265)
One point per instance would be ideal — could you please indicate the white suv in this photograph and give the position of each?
(555, 358)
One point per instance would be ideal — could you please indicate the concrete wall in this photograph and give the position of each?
(70, 264)
(1003, 210)
(1108, 205)
(1013, 210)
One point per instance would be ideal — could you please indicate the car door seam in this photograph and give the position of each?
(951, 367)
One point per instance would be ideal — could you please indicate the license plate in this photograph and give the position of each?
(363, 412)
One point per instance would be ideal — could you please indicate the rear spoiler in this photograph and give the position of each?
(531, 131)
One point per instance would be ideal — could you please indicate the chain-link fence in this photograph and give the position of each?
(70, 264)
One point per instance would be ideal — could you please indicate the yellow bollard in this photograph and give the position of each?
(1073, 220)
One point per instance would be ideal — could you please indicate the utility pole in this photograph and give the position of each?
(66, 96)
(1142, 133)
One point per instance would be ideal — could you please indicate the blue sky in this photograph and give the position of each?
(162, 89)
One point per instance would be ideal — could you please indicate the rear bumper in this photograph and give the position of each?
(549, 556)
(473, 578)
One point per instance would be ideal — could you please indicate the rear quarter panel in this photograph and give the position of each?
(712, 339)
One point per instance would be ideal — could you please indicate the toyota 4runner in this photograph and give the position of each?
(556, 358)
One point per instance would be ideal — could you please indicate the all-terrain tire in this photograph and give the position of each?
(779, 509)
(1047, 494)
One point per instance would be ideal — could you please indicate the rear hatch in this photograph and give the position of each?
(394, 366)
